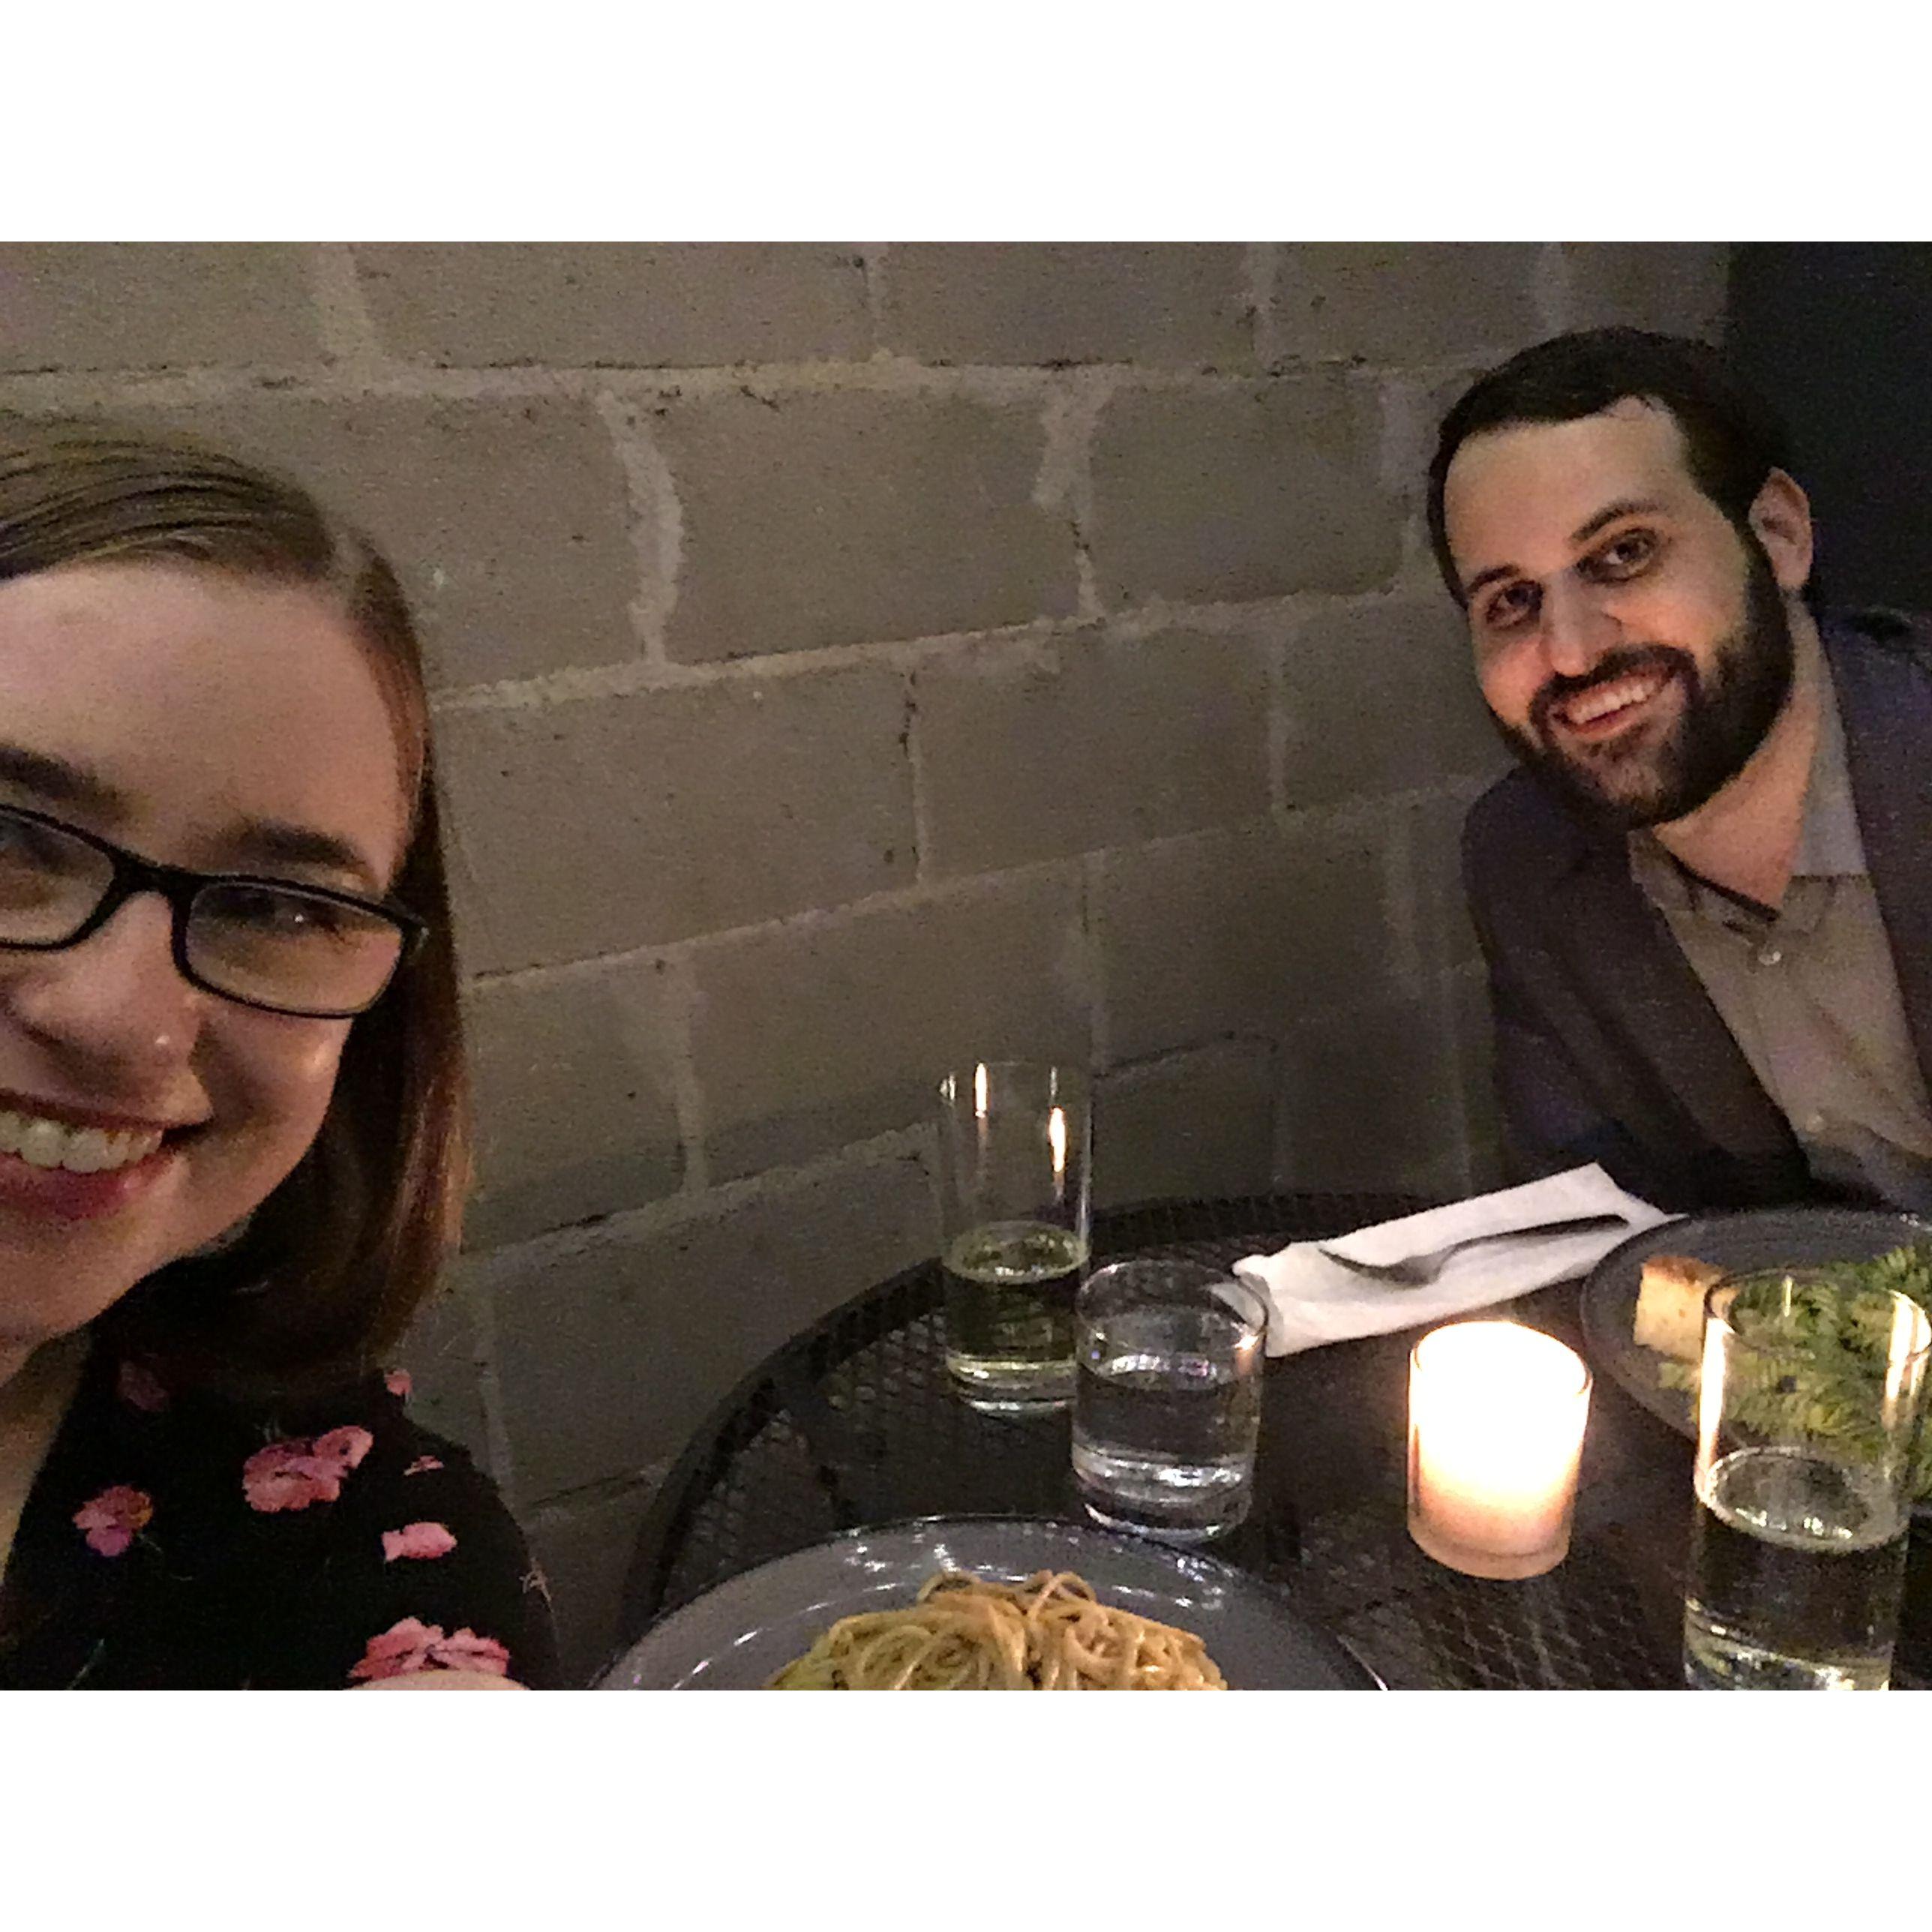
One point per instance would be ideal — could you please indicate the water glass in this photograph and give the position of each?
(1809, 1402)
(1015, 1144)
(1167, 1403)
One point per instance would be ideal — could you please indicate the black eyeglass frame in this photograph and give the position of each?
(180, 886)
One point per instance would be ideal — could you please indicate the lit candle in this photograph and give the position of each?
(1496, 1427)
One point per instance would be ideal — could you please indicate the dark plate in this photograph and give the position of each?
(733, 1638)
(1762, 1238)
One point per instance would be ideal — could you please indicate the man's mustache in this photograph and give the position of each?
(1631, 660)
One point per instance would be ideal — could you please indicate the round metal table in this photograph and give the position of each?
(855, 1422)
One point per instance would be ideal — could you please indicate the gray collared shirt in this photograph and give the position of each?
(1810, 992)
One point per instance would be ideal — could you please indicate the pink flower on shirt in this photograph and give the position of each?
(422, 1465)
(464, 1650)
(411, 1645)
(346, 1446)
(403, 1647)
(396, 1381)
(417, 1539)
(294, 1472)
(114, 1518)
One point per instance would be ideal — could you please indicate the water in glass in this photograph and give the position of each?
(1167, 1407)
(1797, 1565)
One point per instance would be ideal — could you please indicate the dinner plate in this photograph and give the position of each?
(1738, 1243)
(735, 1637)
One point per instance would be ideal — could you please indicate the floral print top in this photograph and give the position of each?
(183, 1542)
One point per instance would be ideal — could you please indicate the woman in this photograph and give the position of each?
(232, 1104)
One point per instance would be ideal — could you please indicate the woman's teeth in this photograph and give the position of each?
(44, 1143)
(1607, 698)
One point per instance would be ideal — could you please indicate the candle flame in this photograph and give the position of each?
(980, 1090)
(1056, 1135)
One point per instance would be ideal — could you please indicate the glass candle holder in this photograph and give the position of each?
(1496, 1414)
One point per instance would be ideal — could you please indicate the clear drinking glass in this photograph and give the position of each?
(1809, 1402)
(1015, 1141)
(1167, 1404)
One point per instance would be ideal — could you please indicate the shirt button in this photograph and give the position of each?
(1768, 955)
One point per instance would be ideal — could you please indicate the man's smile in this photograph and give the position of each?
(1608, 710)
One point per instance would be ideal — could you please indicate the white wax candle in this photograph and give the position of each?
(1496, 1414)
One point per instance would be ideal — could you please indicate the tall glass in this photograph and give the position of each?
(1167, 1409)
(1809, 1403)
(1015, 1141)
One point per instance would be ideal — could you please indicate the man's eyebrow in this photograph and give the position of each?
(255, 841)
(1625, 506)
(1482, 577)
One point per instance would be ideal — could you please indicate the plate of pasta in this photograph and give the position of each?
(1642, 1305)
(970, 1602)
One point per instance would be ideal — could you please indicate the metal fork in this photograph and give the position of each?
(1419, 1270)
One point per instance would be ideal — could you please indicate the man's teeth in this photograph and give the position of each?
(1608, 698)
(44, 1143)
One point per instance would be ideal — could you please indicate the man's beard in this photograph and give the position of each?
(1720, 723)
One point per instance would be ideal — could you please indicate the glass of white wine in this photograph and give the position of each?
(1015, 1141)
(1809, 1397)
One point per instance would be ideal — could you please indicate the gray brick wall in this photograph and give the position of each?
(852, 658)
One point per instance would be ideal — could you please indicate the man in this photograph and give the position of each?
(1705, 900)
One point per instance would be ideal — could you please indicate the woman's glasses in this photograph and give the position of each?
(298, 949)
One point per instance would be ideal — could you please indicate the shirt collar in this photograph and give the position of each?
(1828, 844)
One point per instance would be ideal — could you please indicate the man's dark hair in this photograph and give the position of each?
(1732, 439)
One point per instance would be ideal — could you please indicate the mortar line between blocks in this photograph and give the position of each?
(710, 1203)
(922, 804)
(496, 1423)
(1552, 287)
(1448, 988)
(391, 378)
(1100, 1040)
(634, 676)
(1259, 261)
(654, 519)
(347, 328)
(1277, 727)
(873, 264)
(680, 1008)
(937, 891)
(1402, 888)
(1069, 421)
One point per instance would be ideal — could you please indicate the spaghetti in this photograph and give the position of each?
(966, 1632)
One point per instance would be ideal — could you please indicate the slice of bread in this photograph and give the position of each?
(1670, 1305)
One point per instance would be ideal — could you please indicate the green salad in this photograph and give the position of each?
(1830, 1354)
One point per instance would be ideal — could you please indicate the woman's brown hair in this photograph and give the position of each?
(327, 1272)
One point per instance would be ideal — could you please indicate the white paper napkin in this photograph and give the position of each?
(1311, 1300)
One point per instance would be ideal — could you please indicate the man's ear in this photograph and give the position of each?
(1780, 515)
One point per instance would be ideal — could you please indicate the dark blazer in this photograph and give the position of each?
(1607, 1047)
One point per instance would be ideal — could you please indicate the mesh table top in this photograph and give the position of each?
(855, 1423)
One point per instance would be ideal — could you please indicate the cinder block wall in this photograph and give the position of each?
(851, 659)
